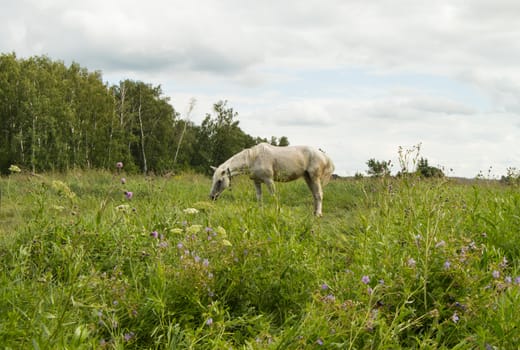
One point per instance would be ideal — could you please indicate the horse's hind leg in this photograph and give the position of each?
(317, 193)
(270, 186)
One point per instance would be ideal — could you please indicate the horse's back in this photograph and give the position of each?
(288, 163)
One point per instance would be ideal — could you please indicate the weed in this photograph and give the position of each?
(393, 263)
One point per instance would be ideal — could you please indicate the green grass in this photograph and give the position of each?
(404, 263)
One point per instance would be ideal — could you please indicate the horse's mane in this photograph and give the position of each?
(257, 149)
(239, 163)
(248, 155)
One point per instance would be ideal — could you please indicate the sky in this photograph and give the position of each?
(359, 79)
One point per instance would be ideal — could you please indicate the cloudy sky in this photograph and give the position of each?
(356, 78)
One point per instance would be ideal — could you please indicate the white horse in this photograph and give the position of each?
(266, 163)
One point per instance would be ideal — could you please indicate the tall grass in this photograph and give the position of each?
(393, 263)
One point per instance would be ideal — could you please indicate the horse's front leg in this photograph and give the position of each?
(258, 187)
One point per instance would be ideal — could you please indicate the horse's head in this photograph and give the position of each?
(221, 181)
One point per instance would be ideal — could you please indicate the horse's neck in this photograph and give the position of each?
(239, 163)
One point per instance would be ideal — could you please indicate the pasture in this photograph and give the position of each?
(393, 263)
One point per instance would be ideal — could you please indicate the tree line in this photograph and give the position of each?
(382, 168)
(55, 117)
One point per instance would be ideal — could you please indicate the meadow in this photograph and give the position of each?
(108, 260)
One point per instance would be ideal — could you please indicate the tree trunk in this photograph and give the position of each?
(33, 144)
(190, 109)
(145, 167)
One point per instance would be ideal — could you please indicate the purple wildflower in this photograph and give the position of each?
(154, 234)
(440, 244)
(517, 280)
(123, 180)
(455, 318)
(495, 274)
(319, 342)
(330, 297)
(209, 321)
(129, 336)
(411, 262)
(119, 165)
(180, 245)
(205, 262)
(447, 265)
(324, 286)
(459, 305)
(365, 279)
(508, 279)
(129, 194)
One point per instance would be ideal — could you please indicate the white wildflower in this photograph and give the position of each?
(221, 231)
(194, 229)
(123, 207)
(14, 169)
(226, 243)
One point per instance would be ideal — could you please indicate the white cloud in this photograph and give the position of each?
(356, 78)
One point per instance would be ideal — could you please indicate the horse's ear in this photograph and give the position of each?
(213, 168)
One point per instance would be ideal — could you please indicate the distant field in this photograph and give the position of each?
(393, 263)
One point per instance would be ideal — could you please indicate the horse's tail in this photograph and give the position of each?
(327, 170)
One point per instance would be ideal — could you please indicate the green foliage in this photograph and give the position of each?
(282, 141)
(143, 122)
(408, 159)
(53, 117)
(394, 263)
(512, 177)
(220, 137)
(58, 118)
(425, 170)
(378, 168)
